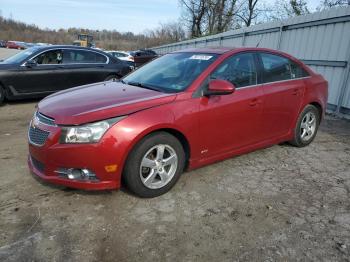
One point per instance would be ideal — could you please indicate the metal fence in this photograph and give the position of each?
(321, 40)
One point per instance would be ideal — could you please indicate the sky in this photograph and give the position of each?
(122, 15)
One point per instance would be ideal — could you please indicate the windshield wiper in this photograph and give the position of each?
(139, 84)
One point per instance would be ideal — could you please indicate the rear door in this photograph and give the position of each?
(283, 88)
(232, 121)
(84, 66)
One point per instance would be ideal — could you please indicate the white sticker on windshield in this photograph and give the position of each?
(201, 57)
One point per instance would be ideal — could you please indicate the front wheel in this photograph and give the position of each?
(306, 127)
(154, 165)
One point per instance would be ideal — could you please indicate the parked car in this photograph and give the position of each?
(183, 110)
(42, 44)
(143, 56)
(16, 45)
(3, 43)
(42, 70)
(29, 45)
(124, 56)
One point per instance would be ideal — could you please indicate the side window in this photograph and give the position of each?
(276, 68)
(82, 57)
(239, 69)
(100, 58)
(297, 71)
(52, 57)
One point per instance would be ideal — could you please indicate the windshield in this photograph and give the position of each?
(171, 73)
(19, 57)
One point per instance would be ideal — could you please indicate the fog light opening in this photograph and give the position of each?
(77, 174)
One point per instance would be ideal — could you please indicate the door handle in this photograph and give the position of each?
(255, 102)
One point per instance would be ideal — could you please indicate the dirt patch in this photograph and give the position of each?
(277, 204)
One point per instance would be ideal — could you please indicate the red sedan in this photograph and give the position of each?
(15, 45)
(181, 111)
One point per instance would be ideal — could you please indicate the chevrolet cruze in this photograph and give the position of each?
(181, 111)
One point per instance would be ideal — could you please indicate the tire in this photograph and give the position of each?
(306, 127)
(145, 174)
(111, 78)
(2, 95)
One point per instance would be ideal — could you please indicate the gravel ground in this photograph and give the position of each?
(5, 53)
(277, 204)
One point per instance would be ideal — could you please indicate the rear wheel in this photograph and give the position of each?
(307, 126)
(2, 95)
(112, 78)
(154, 165)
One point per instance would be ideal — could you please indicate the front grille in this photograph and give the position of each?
(38, 165)
(37, 136)
(45, 119)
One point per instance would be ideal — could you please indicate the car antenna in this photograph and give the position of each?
(257, 45)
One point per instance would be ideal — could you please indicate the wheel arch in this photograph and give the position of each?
(116, 74)
(318, 106)
(6, 91)
(182, 138)
(171, 130)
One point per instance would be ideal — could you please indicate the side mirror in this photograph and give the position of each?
(219, 87)
(30, 63)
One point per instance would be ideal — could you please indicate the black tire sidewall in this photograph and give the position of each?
(2, 95)
(297, 141)
(110, 77)
(131, 174)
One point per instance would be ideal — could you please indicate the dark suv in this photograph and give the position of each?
(143, 56)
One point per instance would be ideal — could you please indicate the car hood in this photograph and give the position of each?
(99, 101)
(5, 66)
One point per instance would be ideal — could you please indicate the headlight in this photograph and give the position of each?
(88, 133)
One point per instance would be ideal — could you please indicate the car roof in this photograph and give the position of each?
(41, 47)
(209, 50)
(223, 50)
(117, 51)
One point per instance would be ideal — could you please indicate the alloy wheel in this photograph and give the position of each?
(308, 126)
(158, 166)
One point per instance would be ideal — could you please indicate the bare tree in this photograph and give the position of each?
(248, 11)
(166, 33)
(107, 39)
(283, 9)
(333, 3)
(299, 7)
(194, 15)
(219, 15)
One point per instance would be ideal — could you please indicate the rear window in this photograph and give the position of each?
(297, 71)
(278, 68)
(82, 57)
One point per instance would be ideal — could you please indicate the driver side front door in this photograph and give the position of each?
(46, 76)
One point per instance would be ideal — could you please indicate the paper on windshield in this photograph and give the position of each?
(201, 57)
